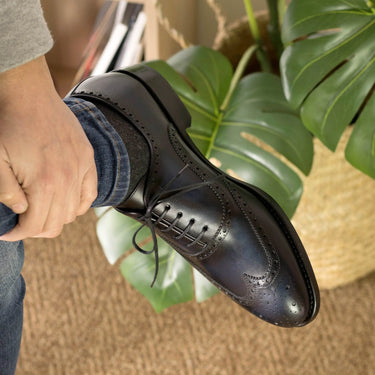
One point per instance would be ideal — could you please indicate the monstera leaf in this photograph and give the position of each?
(223, 128)
(328, 69)
(174, 283)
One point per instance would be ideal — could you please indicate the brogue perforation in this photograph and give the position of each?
(249, 249)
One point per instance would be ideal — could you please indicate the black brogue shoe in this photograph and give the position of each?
(232, 232)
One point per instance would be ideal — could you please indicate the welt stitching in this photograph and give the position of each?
(294, 248)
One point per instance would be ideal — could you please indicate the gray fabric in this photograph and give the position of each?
(24, 34)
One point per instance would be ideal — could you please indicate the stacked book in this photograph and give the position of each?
(116, 41)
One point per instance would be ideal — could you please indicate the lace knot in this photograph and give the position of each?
(151, 224)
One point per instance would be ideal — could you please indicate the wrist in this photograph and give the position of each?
(23, 84)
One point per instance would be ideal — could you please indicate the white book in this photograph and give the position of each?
(117, 36)
(130, 49)
(138, 54)
(120, 11)
(110, 49)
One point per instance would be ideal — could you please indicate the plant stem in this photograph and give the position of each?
(261, 55)
(238, 74)
(233, 84)
(274, 25)
(214, 134)
(252, 21)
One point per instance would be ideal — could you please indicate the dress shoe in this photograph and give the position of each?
(232, 232)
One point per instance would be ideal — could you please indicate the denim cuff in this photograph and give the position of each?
(111, 157)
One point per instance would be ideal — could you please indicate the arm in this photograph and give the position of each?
(47, 168)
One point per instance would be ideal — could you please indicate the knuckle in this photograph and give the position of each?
(25, 230)
(35, 230)
(90, 196)
(87, 159)
(82, 210)
(52, 233)
(89, 151)
(86, 203)
(8, 196)
(91, 155)
(70, 218)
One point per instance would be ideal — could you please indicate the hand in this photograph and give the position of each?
(47, 167)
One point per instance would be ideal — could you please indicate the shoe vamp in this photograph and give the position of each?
(245, 244)
(265, 253)
(246, 257)
(188, 214)
(233, 250)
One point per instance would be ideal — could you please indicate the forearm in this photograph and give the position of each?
(24, 33)
(20, 86)
(47, 166)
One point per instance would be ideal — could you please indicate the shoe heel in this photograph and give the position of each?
(163, 94)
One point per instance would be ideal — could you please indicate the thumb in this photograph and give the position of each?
(11, 193)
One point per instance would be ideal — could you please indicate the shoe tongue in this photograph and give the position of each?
(135, 200)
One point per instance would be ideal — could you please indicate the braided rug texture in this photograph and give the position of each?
(82, 317)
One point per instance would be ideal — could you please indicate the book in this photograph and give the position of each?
(132, 49)
(116, 40)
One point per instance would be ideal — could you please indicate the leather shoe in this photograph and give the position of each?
(233, 233)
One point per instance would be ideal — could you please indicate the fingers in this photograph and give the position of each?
(49, 210)
(89, 190)
(32, 222)
(11, 193)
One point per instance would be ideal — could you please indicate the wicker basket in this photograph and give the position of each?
(336, 216)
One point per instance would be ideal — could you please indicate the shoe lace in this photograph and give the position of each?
(164, 193)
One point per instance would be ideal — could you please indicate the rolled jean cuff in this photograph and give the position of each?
(111, 157)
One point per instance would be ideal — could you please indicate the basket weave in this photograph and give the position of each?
(336, 216)
(238, 38)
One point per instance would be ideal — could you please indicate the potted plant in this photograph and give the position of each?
(260, 126)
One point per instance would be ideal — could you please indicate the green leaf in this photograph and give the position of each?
(115, 232)
(257, 107)
(174, 282)
(328, 69)
(363, 138)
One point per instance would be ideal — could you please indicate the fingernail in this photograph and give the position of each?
(19, 208)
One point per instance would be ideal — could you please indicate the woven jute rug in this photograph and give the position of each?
(82, 317)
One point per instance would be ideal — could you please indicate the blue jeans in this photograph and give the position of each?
(113, 170)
